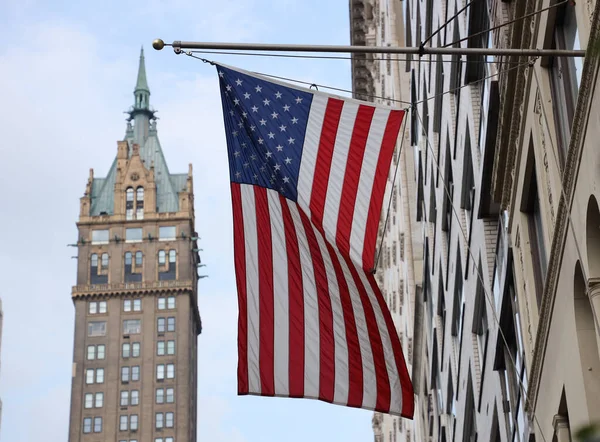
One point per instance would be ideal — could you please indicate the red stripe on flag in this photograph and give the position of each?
(326, 338)
(383, 164)
(240, 276)
(384, 395)
(355, 364)
(360, 134)
(266, 298)
(329, 130)
(408, 400)
(296, 304)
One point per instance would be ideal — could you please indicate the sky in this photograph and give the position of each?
(67, 73)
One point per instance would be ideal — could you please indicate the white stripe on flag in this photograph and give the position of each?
(312, 348)
(338, 170)
(250, 236)
(342, 376)
(365, 184)
(281, 296)
(312, 139)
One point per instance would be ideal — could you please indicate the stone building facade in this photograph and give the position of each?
(136, 307)
(399, 271)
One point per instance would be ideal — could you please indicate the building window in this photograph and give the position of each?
(89, 376)
(133, 273)
(135, 397)
(531, 206)
(166, 303)
(99, 400)
(160, 372)
(100, 351)
(162, 257)
(89, 400)
(160, 348)
(139, 203)
(565, 76)
(133, 235)
(96, 328)
(170, 347)
(137, 305)
(164, 439)
(91, 352)
(169, 419)
(96, 307)
(458, 305)
(99, 376)
(135, 373)
(167, 233)
(160, 395)
(125, 371)
(135, 350)
(170, 395)
(167, 272)
(134, 206)
(171, 324)
(87, 425)
(133, 422)
(126, 350)
(97, 425)
(104, 262)
(171, 302)
(161, 325)
(170, 371)
(162, 303)
(123, 423)
(126, 302)
(100, 236)
(124, 398)
(159, 421)
(132, 326)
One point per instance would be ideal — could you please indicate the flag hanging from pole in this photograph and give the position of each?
(308, 173)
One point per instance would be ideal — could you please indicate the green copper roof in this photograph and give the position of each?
(145, 135)
(142, 82)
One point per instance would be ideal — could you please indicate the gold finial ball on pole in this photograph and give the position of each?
(158, 44)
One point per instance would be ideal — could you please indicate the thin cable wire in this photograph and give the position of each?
(507, 23)
(330, 57)
(502, 71)
(479, 275)
(446, 24)
(387, 217)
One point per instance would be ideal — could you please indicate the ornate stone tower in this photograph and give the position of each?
(136, 305)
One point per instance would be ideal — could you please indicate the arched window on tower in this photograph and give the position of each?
(139, 203)
(133, 270)
(98, 269)
(168, 271)
(129, 203)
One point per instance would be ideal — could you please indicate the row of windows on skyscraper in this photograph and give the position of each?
(133, 266)
(131, 305)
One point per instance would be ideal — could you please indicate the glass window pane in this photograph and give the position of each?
(132, 326)
(100, 236)
(171, 324)
(87, 425)
(135, 373)
(135, 397)
(171, 302)
(126, 350)
(160, 395)
(135, 350)
(102, 307)
(169, 418)
(128, 258)
(161, 325)
(101, 351)
(89, 400)
(159, 420)
(168, 439)
(167, 233)
(133, 235)
(93, 308)
(129, 194)
(99, 376)
(162, 257)
(127, 305)
(170, 371)
(91, 352)
(171, 347)
(139, 257)
(94, 260)
(162, 303)
(170, 395)
(160, 348)
(160, 371)
(99, 400)
(129, 214)
(97, 425)
(124, 398)
(139, 213)
(133, 422)
(172, 256)
(140, 194)
(104, 260)
(123, 423)
(124, 374)
(97, 328)
(89, 376)
(137, 305)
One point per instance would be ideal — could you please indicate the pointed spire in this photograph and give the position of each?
(142, 83)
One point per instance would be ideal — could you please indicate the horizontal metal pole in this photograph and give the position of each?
(180, 45)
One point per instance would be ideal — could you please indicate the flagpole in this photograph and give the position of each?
(179, 46)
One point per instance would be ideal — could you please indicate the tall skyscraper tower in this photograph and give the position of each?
(136, 305)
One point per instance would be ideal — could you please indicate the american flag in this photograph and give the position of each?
(308, 173)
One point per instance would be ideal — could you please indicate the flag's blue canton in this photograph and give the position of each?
(265, 124)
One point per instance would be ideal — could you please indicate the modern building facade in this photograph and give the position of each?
(136, 308)
(399, 270)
